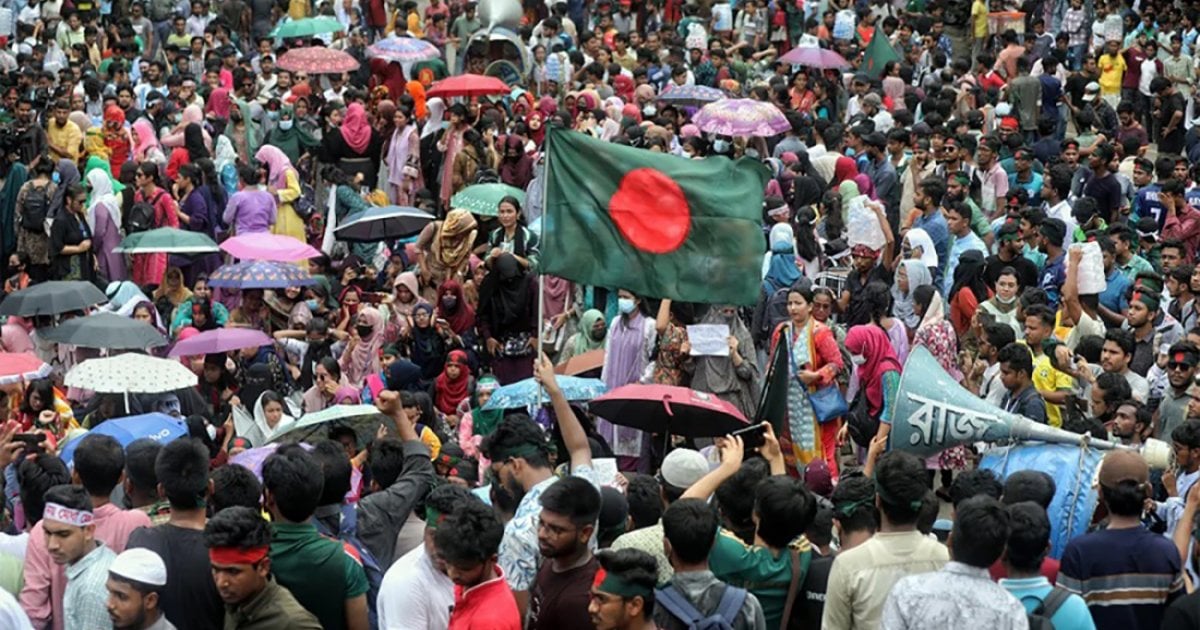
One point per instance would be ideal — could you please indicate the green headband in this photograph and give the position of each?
(848, 509)
(433, 518)
(613, 584)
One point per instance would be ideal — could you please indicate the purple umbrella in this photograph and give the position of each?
(265, 246)
(403, 49)
(260, 274)
(252, 459)
(814, 57)
(220, 340)
(691, 95)
(741, 117)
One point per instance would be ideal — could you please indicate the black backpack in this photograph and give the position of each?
(1039, 619)
(141, 216)
(861, 425)
(35, 209)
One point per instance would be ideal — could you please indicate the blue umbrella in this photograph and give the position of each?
(525, 393)
(382, 223)
(156, 426)
(259, 274)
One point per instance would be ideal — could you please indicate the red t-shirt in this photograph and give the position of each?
(1049, 570)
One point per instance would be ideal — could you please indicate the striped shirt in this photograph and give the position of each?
(1128, 577)
(85, 602)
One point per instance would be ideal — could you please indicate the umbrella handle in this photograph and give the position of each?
(667, 404)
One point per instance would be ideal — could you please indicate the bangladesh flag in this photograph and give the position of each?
(877, 54)
(658, 225)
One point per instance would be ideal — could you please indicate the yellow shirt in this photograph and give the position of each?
(979, 15)
(1047, 378)
(1112, 70)
(68, 137)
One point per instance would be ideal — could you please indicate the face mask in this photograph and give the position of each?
(212, 432)
(721, 146)
(286, 124)
(625, 305)
(858, 359)
(597, 335)
(312, 305)
(273, 115)
(1003, 300)
(449, 301)
(752, 154)
(363, 331)
(650, 110)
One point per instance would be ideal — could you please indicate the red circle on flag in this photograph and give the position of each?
(650, 211)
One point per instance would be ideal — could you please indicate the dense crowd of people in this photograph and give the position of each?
(1011, 188)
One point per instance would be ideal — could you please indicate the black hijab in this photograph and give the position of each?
(504, 295)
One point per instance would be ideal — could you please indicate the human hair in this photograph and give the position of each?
(972, 483)
(1029, 486)
(295, 481)
(1029, 536)
(69, 496)
(1123, 339)
(1187, 434)
(575, 498)
(448, 497)
(1115, 387)
(1126, 498)
(1043, 313)
(877, 297)
(513, 432)
(469, 536)
(237, 526)
(999, 335)
(182, 469)
(645, 502)
(248, 175)
(100, 462)
(785, 509)
(690, 525)
(331, 365)
(335, 467)
(736, 495)
(140, 457)
(1016, 357)
(44, 389)
(854, 505)
(981, 529)
(933, 187)
(234, 485)
(636, 567)
(900, 484)
(385, 461)
(35, 477)
(820, 532)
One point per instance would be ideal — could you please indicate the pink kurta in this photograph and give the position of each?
(148, 269)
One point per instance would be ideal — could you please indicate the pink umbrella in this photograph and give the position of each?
(741, 117)
(266, 246)
(667, 409)
(19, 367)
(814, 57)
(220, 340)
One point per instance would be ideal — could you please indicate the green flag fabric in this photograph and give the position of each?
(772, 404)
(658, 225)
(877, 54)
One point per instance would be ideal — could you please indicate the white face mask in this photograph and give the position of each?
(650, 110)
(858, 359)
(1003, 300)
(626, 305)
(720, 146)
(285, 124)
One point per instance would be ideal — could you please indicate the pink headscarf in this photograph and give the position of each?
(356, 131)
(865, 186)
(219, 103)
(277, 164)
(870, 342)
(146, 138)
(689, 131)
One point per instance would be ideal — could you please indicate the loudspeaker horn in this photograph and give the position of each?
(933, 412)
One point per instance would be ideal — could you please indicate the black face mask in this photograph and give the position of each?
(597, 335)
(363, 331)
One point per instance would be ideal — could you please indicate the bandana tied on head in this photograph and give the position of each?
(237, 555)
(69, 516)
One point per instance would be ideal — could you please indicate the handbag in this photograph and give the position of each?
(827, 402)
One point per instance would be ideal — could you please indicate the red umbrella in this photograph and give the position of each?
(582, 364)
(317, 60)
(666, 409)
(19, 367)
(468, 85)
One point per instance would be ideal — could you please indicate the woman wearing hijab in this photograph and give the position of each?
(225, 163)
(475, 422)
(191, 114)
(173, 289)
(116, 137)
(68, 175)
(878, 372)
(452, 306)
(446, 246)
(592, 335)
(403, 159)
(193, 150)
(814, 361)
(360, 359)
(911, 273)
(506, 319)
(290, 138)
(919, 245)
(93, 144)
(218, 106)
(865, 186)
(938, 336)
(283, 182)
(197, 214)
(145, 143)
(732, 378)
(428, 342)
(399, 308)
(243, 130)
(968, 292)
(104, 219)
(388, 74)
(357, 147)
(631, 340)
(779, 263)
(516, 166)
(453, 385)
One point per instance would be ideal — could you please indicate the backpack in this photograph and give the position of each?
(1039, 619)
(680, 608)
(36, 209)
(141, 216)
(863, 427)
(303, 205)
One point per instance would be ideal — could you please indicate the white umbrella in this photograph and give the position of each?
(131, 373)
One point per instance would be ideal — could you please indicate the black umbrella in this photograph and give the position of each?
(52, 298)
(105, 330)
(382, 223)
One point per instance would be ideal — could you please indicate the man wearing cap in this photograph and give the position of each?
(680, 469)
(1105, 112)
(1127, 574)
(136, 580)
(858, 89)
(70, 530)
(872, 106)
(238, 541)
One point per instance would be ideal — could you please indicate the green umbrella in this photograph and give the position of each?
(363, 419)
(307, 27)
(167, 240)
(482, 199)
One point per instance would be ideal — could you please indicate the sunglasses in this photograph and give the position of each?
(1178, 366)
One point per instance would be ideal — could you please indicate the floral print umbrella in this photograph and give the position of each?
(403, 49)
(741, 117)
(260, 274)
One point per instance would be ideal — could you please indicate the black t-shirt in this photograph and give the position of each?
(190, 600)
(1184, 614)
(559, 601)
(1172, 142)
(1075, 87)
(857, 312)
(1107, 193)
(810, 601)
(1027, 272)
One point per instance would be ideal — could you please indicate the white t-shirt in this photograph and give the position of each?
(414, 595)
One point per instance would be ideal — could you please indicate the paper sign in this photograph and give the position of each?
(710, 340)
(606, 471)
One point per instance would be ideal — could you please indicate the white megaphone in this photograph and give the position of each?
(933, 413)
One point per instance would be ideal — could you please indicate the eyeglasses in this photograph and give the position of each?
(1178, 366)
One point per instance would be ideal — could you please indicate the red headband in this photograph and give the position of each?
(237, 555)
